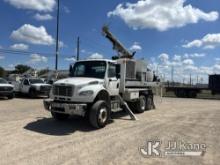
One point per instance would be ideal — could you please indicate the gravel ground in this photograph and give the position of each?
(28, 134)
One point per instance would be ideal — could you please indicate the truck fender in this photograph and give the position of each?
(103, 95)
(98, 92)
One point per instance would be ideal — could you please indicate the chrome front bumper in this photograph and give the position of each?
(65, 108)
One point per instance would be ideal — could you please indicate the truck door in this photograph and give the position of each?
(25, 86)
(113, 82)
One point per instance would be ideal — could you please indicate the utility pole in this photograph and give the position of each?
(57, 37)
(78, 47)
(172, 74)
(190, 79)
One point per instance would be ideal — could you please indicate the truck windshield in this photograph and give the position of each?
(94, 69)
(36, 81)
(3, 81)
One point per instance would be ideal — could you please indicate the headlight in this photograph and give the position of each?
(86, 93)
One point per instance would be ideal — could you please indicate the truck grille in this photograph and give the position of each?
(6, 89)
(63, 90)
(45, 88)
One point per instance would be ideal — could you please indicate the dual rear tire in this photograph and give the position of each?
(142, 104)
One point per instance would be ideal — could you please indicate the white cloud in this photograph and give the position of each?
(205, 70)
(217, 59)
(191, 68)
(43, 17)
(83, 51)
(188, 62)
(11, 67)
(160, 14)
(36, 58)
(217, 67)
(136, 47)
(34, 35)
(194, 55)
(66, 9)
(177, 58)
(182, 68)
(2, 57)
(19, 47)
(61, 44)
(71, 59)
(39, 5)
(164, 58)
(96, 56)
(209, 41)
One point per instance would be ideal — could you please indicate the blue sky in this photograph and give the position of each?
(181, 34)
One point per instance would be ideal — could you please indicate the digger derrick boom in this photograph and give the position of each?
(122, 51)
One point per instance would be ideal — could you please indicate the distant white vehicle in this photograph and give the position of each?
(32, 86)
(6, 89)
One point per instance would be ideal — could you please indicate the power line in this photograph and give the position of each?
(20, 52)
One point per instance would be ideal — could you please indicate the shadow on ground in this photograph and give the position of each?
(4, 99)
(49, 126)
(23, 96)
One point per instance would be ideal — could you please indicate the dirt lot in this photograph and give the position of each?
(28, 134)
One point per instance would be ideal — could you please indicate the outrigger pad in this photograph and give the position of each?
(133, 117)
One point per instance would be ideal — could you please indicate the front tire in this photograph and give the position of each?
(59, 116)
(99, 114)
(11, 96)
(32, 93)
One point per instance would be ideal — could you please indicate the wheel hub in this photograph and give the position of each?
(103, 115)
(142, 103)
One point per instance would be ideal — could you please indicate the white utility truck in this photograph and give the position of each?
(32, 86)
(98, 87)
(6, 89)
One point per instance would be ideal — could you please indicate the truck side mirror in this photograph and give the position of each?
(118, 71)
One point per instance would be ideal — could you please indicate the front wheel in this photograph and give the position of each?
(11, 96)
(59, 116)
(32, 93)
(99, 114)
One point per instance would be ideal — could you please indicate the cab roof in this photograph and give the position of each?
(105, 60)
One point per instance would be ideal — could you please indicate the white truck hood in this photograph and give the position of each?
(40, 84)
(77, 81)
(6, 85)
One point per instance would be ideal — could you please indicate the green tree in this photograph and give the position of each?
(19, 69)
(42, 72)
(2, 72)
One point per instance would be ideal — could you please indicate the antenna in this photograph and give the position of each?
(78, 47)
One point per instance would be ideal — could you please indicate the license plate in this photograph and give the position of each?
(57, 105)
